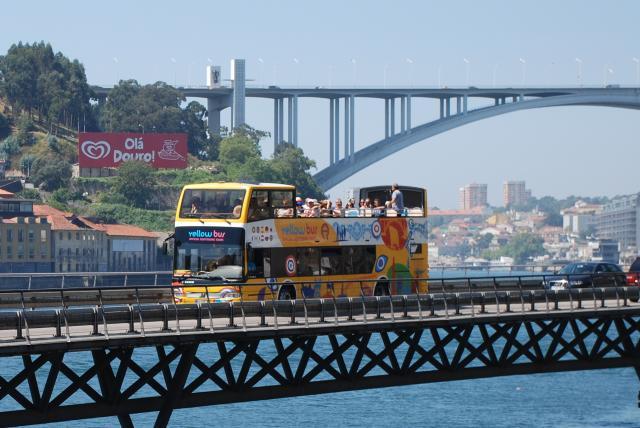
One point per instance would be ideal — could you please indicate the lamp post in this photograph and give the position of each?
(410, 62)
(607, 71)
(524, 70)
(175, 78)
(117, 61)
(355, 65)
(579, 66)
(467, 64)
(297, 63)
(495, 72)
(384, 76)
(261, 62)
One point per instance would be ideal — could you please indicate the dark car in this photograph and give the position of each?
(587, 274)
(633, 276)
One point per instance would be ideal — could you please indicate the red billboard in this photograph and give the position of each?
(105, 149)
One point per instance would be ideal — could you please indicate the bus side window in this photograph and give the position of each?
(259, 205)
(259, 262)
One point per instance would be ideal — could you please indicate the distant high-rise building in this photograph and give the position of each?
(514, 193)
(473, 195)
(618, 220)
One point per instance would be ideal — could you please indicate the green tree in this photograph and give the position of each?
(26, 164)
(5, 129)
(51, 172)
(9, 147)
(135, 182)
(290, 166)
(522, 246)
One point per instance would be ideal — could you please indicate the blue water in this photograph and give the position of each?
(602, 398)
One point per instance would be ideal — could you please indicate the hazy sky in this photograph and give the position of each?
(558, 151)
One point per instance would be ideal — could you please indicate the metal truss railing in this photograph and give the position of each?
(47, 280)
(74, 361)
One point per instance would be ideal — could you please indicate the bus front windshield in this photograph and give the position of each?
(212, 203)
(214, 252)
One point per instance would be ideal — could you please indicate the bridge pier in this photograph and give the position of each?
(464, 104)
(387, 109)
(352, 125)
(458, 106)
(441, 108)
(448, 103)
(403, 115)
(408, 100)
(276, 121)
(331, 133)
(392, 117)
(336, 129)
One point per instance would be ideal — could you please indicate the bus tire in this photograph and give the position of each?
(382, 289)
(287, 292)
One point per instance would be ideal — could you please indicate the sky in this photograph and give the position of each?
(558, 151)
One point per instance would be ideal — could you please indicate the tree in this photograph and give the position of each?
(51, 172)
(289, 165)
(522, 246)
(135, 183)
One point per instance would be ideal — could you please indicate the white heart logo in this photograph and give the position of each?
(96, 151)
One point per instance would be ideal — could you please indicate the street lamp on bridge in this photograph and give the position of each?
(579, 65)
(467, 64)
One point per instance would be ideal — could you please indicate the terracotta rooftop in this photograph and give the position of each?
(6, 194)
(119, 229)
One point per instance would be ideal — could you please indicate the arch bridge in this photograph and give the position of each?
(457, 107)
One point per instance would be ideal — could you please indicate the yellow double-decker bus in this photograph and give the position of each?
(250, 241)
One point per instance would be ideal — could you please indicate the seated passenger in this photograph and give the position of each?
(237, 210)
(378, 208)
(299, 206)
(313, 210)
(325, 208)
(195, 206)
(337, 211)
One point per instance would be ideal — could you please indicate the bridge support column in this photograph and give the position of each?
(448, 102)
(213, 117)
(458, 105)
(295, 121)
(464, 104)
(403, 115)
(408, 113)
(392, 117)
(331, 132)
(347, 130)
(336, 128)
(276, 116)
(386, 117)
(514, 99)
(441, 108)
(290, 120)
(352, 125)
(280, 120)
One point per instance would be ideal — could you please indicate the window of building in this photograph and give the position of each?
(43, 236)
(43, 252)
(30, 235)
(20, 251)
(20, 235)
(32, 252)
(9, 252)
(77, 251)
(68, 252)
(69, 236)
(60, 252)
(9, 235)
(77, 236)
(61, 237)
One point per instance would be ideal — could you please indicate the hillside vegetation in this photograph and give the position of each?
(45, 100)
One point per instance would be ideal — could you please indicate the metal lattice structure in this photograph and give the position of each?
(194, 368)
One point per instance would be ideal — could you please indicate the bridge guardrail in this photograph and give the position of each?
(143, 309)
(46, 280)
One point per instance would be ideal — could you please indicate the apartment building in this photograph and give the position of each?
(619, 221)
(472, 196)
(515, 193)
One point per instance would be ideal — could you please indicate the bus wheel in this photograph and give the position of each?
(382, 289)
(287, 292)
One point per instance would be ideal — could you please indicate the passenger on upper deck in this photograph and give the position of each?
(299, 206)
(195, 205)
(337, 211)
(312, 208)
(397, 201)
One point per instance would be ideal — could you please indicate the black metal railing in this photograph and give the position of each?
(40, 314)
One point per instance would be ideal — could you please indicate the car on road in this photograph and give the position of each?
(586, 274)
(633, 276)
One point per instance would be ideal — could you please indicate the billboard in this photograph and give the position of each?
(105, 150)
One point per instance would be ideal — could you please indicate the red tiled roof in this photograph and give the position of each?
(44, 210)
(6, 194)
(119, 229)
